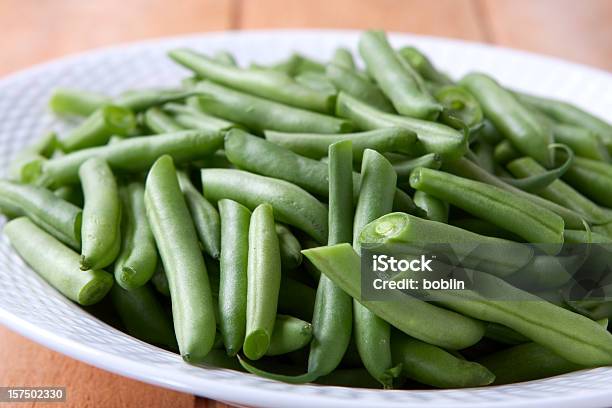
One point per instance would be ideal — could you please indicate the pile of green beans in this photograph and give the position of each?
(224, 218)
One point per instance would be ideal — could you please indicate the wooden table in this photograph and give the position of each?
(38, 30)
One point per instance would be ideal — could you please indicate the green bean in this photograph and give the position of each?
(371, 333)
(434, 366)
(483, 227)
(259, 114)
(504, 152)
(177, 242)
(398, 80)
(569, 114)
(137, 259)
(504, 335)
(100, 232)
(460, 107)
(290, 334)
(264, 275)
(56, 263)
(204, 215)
(432, 137)
(290, 248)
(190, 117)
(291, 204)
(233, 275)
(467, 169)
(501, 257)
(581, 236)
(343, 58)
(269, 84)
(59, 218)
(316, 145)
(489, 133)
(427, 322)
(583, 142)
(513, 120)
(65, 101)
(436, 210)
(317, 82)
(296, 299)
(526, 362)
(142, 99)
(225, 58)
(160, 281)
(133, 155)
(572, 336)
(405, 167)
(28, 161)
(593, 178)
(484, 155)
(349, 81)
(559, 192)
(159, 122)
(143, 316)
(97, 129)
(502, 208)
(419, 62)
(71, 193)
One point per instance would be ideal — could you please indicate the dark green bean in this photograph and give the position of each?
(290, 334)
(504, 152)
(513, 120)
(296, 299)
(160, 281)
(56, 263)
(177, 242)
(143, 316)
(259, 114)
(290, 248)
(137, 259)
(97, 129)
(484, 154)
(398, 80)
(503, 334)
(59, 218)
(291, 204)
(504, 209)
(233, 274)
(204, 215)
(133, 155)
(101, 229)
(593, 178)
(270, 84)
(264, 276)
(432, 137)
(75, 102)
(526, 362)
(583, 142)
(349, 81)
(437, 367)
(316, 145)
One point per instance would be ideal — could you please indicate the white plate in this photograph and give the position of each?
(31, 307)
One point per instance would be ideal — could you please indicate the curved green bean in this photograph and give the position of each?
(137, 259)
(56, 263)
(264, 276)
(177, 242)
(101, 229)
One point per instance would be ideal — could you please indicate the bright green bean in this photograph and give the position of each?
(264, 276)
(349, 81)
(233, 274)
(291, 204)
(75, 102)
(141, 99)
(398, 80)
(423, 66)
(343, 58)
(270, 84)
(204, 215)
(56, 263)
(134, 155)
(137, 259)
(26, 163)
(432, 137)
(190, 117)
(59, 218)
(437, 367)
(177, 242)
(506, 210)
(316, 145)
(97, 129)
(159, 122)
(290, 334)
(101, 229)
(143, 316)
(436, 210)
(260, 114)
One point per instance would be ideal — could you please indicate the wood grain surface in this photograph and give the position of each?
(38, 30)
